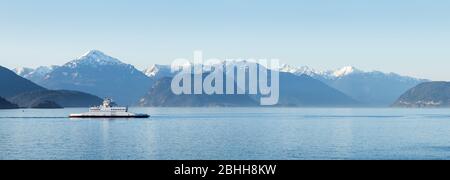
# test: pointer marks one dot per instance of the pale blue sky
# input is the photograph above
(410, 37)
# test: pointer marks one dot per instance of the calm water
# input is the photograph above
(229, 133)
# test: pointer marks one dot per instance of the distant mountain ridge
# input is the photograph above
(340, 73)
(373, 88)
(295, 91)
(429, 94)
(329, 74)
(102, 75)
(34, 75)
(12, 84)
(370, 88)
(27, 94)
(63, 98)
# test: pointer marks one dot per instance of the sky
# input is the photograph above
(409, 37)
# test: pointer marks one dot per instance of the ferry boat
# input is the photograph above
(108, 110)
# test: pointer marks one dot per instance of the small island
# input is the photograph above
(46, 105)
(426, 95)
(4, 104)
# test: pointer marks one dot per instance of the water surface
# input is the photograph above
(229, 133)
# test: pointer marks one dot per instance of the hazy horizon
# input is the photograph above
(405, 37)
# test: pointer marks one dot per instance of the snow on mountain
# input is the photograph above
(347, 70)
(373, 88)
(165, 70)
(22, 71)
(338, 73)
(157, 71)
(35, 75)
(329, 74)
(27, 72)
(295, 91)
(43, 70)
(101, 75)
(300, 70)
(94, 58)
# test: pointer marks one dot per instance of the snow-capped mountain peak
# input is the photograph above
(329, 74)
(347, 70)
(29, 72)
(94, 57)
(35, 75)
(22, 71)
(299, 70)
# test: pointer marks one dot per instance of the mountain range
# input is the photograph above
(302, 91)
(373, 88)
(104, 76)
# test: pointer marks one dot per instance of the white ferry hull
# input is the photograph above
(108, 116)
